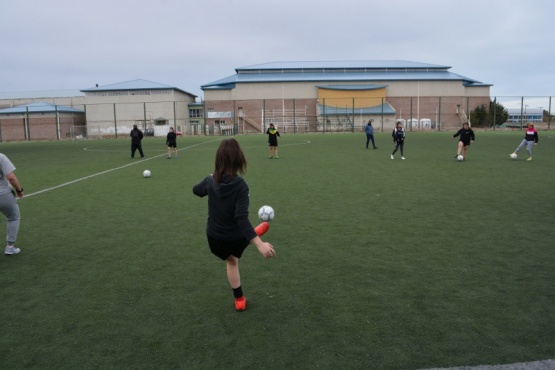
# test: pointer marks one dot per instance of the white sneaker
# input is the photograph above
(392, 156)
(11, 250)
(403, 158)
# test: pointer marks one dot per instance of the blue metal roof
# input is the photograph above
(350, 72)
(135, 85)
(368, 64)
(40, 107)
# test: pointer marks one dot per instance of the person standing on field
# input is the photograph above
(9, 190)
(466, 137)
(228, 229)
(399, 139)
(273, 134)
(530, 139)
(370, 134)
(136, 138)
(171, 142)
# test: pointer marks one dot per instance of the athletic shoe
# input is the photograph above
(240, 304)
(168, 157)
(270, 157)
(11, 250)
(392, 156)
(277, 156)
(262, 228)
(529, 159)
(403, 158)
(375, 147)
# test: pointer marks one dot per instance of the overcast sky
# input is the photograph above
(75, 44)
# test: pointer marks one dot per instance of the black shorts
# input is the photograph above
(172, 144)
(465, 143)
(225, 248)
(273, 142)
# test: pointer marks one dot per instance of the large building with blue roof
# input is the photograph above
(311, 95)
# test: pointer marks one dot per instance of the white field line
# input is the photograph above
(128, 165)
(105, 172)
(534, 365)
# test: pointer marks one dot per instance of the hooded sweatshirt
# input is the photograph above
(228, 207)
(531, 135)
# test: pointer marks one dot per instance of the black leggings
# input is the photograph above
(397, 146)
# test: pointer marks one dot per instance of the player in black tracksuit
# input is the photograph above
(466, 137)
(171, 142)
(136, 137)
(228, 229)
(399, 139)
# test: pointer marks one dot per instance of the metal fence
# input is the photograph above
(291, 115)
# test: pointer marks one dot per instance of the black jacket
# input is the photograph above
(467, 135)
(228, 207)
(136, 136)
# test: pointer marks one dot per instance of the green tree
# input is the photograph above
(488, 116)
(479, 116)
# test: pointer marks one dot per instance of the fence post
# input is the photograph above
(294, 116)
(549, 115)
(115, 121)
(521, 111)
(410, 119)
(353, 123)
(27, 130)
(57, 122)
(439, 115)
(382, 113)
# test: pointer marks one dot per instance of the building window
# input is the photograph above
(195, 113)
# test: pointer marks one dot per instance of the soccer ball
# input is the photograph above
(146, 173)
(460, 158)
(266, 213)
(513, 155)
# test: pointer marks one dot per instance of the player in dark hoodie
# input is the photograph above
(466, 137)
(136, 138)
(229, 230)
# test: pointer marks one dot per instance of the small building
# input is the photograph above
(113, 109)
(40, 121)
(534, 115)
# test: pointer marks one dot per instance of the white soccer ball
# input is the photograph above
(460, 158)
(146, 173)
(513, 155)
(266, 213)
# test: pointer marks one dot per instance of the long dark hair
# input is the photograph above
(230, 160)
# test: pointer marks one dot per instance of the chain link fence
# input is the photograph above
(296, 116)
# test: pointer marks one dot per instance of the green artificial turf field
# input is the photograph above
(381, 264)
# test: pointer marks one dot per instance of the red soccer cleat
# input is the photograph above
(262, 228)
(240, 304)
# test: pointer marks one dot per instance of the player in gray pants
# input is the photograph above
(9, 189)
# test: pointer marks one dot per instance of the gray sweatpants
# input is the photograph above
(10, 209)
(527, 144)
